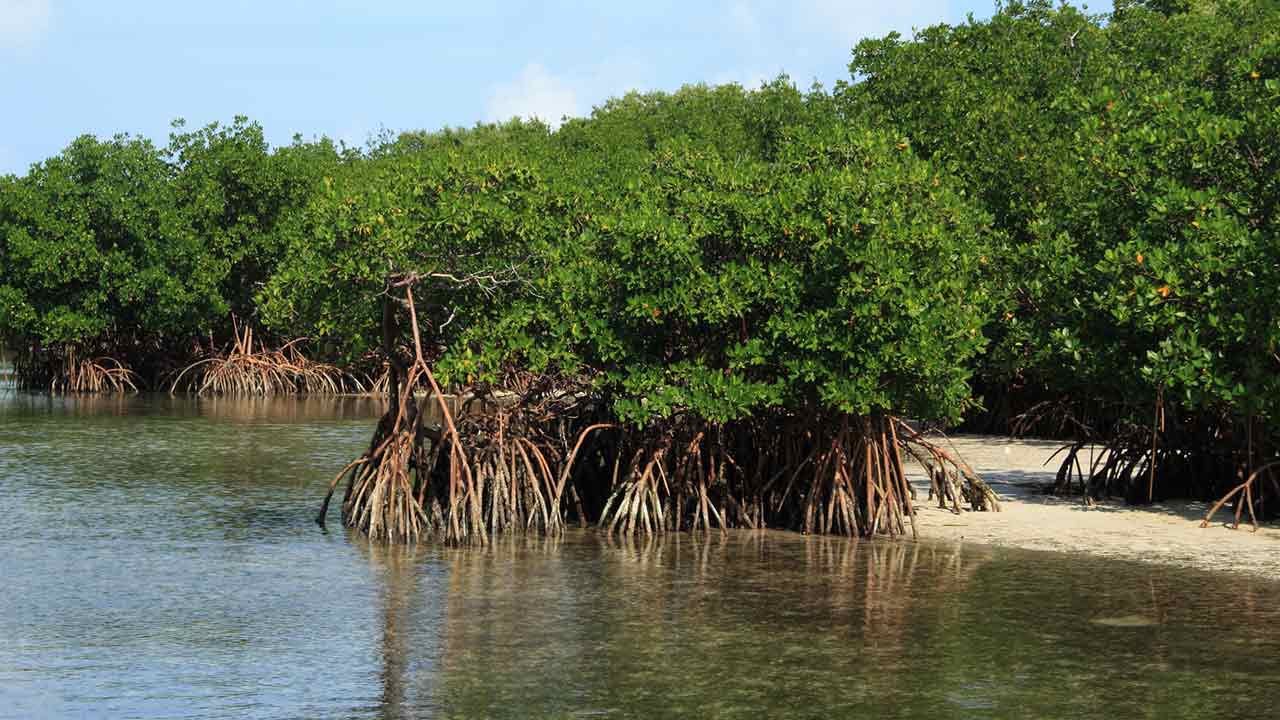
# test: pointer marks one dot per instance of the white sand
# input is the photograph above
(1168, 532)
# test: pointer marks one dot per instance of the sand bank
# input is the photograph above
(1167, 532)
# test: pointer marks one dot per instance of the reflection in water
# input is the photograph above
(161, 561)
(397, 568)
(746, 624)
(242, 408)
(682, 625)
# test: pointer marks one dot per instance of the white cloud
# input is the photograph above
(22, 22)
(535, 92)
(803, 38)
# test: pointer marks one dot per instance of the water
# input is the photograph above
(161, 561)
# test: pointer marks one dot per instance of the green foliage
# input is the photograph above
(1082, 204)
(1178, 182)
(733, 121)
(123, 249)
(240, 198)
(515, 135)
(1130, 167)
(94, 244)
(461, 221)
(839, 276)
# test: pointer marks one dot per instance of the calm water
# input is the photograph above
(160, 561)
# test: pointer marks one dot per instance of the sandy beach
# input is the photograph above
(1167, 532)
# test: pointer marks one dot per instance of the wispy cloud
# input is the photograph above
(795, 37)
(534, 93)
(23, 22)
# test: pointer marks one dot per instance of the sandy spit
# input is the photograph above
(1167, 533)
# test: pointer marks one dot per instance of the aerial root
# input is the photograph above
(509, 465)
(841, 477)
(65, 370)
(96, 375)
(242, 370)
(951, 479)
(498, 478)
(502, 468)
(1245, 489)
(1177, 455)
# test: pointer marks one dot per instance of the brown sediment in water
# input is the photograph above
(1165, 532)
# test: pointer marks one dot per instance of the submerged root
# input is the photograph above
(531, 456)
(519, 479)
(859, 484)
(479, 475)
(380, 500)
(516, 467)
(683, 477)
(242, 370)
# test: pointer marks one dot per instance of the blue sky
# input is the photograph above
(346, 68)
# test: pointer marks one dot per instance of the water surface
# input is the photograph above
(161, 561)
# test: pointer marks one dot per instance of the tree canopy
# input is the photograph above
(1046, 205)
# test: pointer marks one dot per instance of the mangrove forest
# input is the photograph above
(721, 307)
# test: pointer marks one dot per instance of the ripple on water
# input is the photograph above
(161, 561)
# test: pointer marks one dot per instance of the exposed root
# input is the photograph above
(381, 498)
(1051, 418)
(951, 479)
(530, 457)
(505, 466)
(844, 476)
(242, 370)
(380, 385)
(64, 370)
(519, 478)
(1248, 497)
(1178, 455)
(96, 375)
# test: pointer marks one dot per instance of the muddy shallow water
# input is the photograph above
(161, 561)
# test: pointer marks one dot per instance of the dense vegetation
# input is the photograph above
(1132, 169)
(724, 299)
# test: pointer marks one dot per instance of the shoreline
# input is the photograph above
(1166, 533)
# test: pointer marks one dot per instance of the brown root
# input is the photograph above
(1248, 497)
(97, 375)
(1195, 455)
(493, 471)
(845, 476)
(951, 479)
(65, 370)
(485, 466)
(529, 456)
(244, 370)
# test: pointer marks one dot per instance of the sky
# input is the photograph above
(347, 69)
